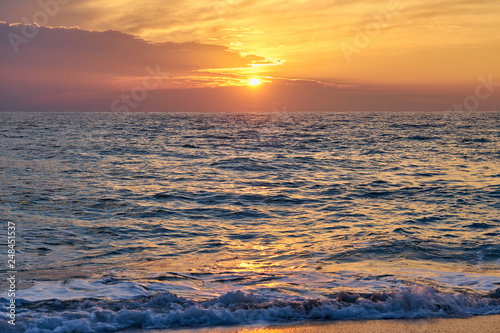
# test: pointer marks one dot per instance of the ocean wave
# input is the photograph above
(166, 310)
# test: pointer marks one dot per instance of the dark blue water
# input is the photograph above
(163, 220)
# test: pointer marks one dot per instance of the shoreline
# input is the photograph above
(479, 324)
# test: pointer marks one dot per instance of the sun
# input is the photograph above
(254, 82)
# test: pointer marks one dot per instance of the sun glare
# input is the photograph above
(254, 82)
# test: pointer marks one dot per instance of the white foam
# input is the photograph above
(166, 310)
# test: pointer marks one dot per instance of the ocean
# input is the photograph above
(188, 220)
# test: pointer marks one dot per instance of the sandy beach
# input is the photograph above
(480, 324)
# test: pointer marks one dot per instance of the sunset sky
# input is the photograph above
(86, 55)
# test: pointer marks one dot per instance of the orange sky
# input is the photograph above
(394, 54)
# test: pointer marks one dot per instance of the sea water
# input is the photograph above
(183, 220)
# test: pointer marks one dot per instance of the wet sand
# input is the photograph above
(481, 324)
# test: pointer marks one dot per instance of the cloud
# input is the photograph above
(70, 63)
(112, 52)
